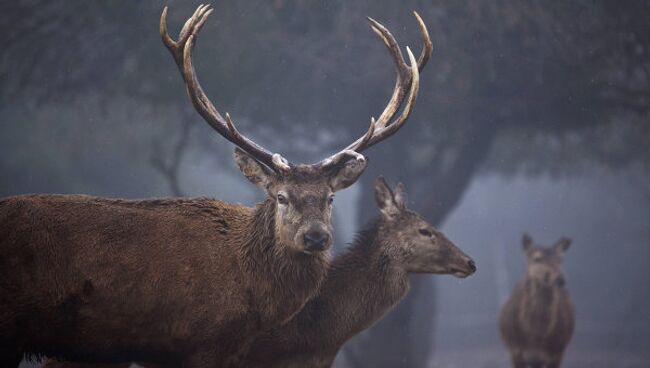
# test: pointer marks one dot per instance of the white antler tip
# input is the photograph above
(280, 162)
(412, 60)
(356, 155)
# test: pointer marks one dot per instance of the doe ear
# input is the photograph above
(526, 242)
(385, 199)
(401, 198)
(562, 245)
(348, 173)
(258, 173)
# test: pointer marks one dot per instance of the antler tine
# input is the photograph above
(427, 49)
(406, 112)
(407, 81)
(400, 67)
(181, 51)
(403, 77)
(176, 47)
(167, 40)
(371, 130)
(382, 133)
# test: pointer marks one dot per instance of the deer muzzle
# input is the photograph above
(464, 267)
(316, 239)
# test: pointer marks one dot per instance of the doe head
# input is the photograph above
(416, 244)
(544, 264)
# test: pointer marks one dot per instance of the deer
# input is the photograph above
(537, 321)
(362, 286)
(183, 281)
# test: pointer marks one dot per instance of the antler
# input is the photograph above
(181, 51)
(380, 129)
(408, 79)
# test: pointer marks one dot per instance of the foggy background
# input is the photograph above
(532, 117)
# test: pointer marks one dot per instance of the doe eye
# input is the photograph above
(425, 232)
(282, 199)
(330, 199)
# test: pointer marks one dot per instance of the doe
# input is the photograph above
(537, 321)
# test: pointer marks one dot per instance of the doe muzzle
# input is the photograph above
(471, 265)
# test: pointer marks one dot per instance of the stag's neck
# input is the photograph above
(362, 285)
(283, 279)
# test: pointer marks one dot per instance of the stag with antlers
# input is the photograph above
(180, 281)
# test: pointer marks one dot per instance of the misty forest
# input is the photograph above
(526, 159)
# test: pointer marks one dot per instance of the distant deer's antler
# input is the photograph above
(181, 50)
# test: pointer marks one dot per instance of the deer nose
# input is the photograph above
(316, 240)
(471, 265)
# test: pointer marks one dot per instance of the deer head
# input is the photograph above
(544, 264)
(302, 193)
(416, 244)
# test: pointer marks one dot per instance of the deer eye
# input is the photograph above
(425, 232)
(330, 199)
(282, 199)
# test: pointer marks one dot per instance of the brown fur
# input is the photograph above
(363, 284)
(171, 280)
(538, 320)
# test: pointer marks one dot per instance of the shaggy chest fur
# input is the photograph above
(361, 287)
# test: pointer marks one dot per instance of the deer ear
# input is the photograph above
(348, 173)
(385, 199)
(562, 245)
(254, 170)
(401, 199)
(526, 242)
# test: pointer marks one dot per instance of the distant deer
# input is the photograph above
(364, 284)
(537, 321)
(179, 281)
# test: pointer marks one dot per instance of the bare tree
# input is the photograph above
(168, 164)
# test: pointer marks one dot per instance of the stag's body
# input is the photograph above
(180, 281)
(364, 284)
(113, 280)
(538, 320)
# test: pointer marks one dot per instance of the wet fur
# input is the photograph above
(169, 281)
(364, 283)
(362, 286)
(310, 340)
